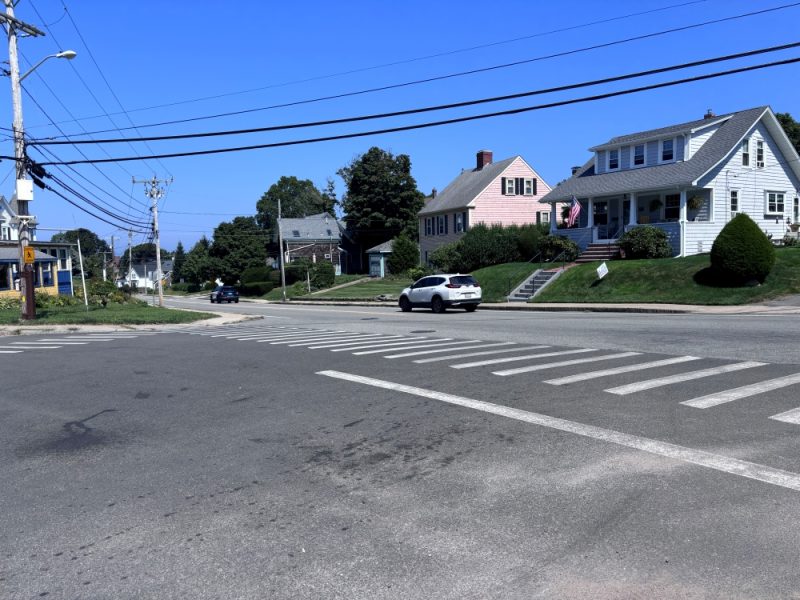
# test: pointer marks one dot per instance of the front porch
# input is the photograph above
(603, 219)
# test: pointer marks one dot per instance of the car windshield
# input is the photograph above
(228, 288)
(463, 280)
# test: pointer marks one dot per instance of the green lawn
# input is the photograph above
(670, 280)
(114, 314)
(366, 290)
(498, 281)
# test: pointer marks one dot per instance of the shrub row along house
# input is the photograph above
(688, 180)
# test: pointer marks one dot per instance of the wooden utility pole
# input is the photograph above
(154, 191)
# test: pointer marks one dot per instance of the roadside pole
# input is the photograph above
(280, 243)
(83, 277)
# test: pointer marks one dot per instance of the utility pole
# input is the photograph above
(280, 243)
(113, 264)
(154, 191)
(130, 259)
(24, 186)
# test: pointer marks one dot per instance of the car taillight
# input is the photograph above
(452, 285)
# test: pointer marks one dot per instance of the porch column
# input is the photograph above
(633, 216)
(683, 216)
(682, 224)
(553, 218)
(590, 213)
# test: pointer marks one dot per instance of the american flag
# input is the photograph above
(574, 211)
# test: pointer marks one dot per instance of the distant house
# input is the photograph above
(507, 192)
(52, 269)
(315, 237)
(377, 259)
(143, 276)
(688, 180)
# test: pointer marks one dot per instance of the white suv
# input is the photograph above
(438, 292)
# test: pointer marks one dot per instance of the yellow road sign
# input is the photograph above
(29, 254)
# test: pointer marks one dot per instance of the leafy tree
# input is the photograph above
(94, 249)
(299, 198)
(404, 256)
(142, 253)
(238, 245)
(791, 127)
(197, 268)
(382, 199)
(178, 260)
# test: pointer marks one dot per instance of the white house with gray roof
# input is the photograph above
(688, 179)
(507, 192)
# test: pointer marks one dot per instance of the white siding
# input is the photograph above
(700, 138)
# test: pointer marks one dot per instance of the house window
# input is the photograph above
(774, 204)
(530, 186)
(667, 150)
(613, 160)
(672, 207)
(5, 277)
(47, 274)
(734, 201)
(508, 186)
(441, 223)
(62, 259)
(428, 226)
(459, 222)
(759, 154)
(638, 155)
(518, 186)
(746, 152)
(5, 233)
(545, 216)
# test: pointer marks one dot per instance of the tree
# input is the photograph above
(404, 256)
(791, 127)
(382, 199)
(142, 253)
(238, 245)
(178, 260)
(299, 198)
(94, 249)
(197, 267)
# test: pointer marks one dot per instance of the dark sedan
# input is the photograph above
(224, 293)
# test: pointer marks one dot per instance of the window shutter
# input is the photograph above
(503, 186)
(534, 186)
(445, 224)
(517, 186)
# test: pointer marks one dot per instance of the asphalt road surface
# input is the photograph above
(359, 452)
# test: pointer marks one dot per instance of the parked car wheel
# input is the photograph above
(437, 305)
(405, 304)
(470, 307)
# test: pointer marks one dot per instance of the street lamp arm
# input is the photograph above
(68, 54)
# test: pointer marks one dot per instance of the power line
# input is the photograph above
(458, 74)
(447, 121)
(427, 108)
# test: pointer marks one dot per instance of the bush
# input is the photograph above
(256, 288)
(742, 252)
(528, 239)
(446, 258)
(189, 288)
(209, 285)
(645, 241)
(418, 272)
(297, 270)
(557, 247)
(484, 246)
(255, 274)
(404, 256)
(100, 293)
(275, 277)
(790, 241)
(322, 275)
(45, 300)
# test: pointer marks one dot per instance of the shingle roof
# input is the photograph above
(586, 183)
(384, 248)
(11, 255)
(463, 189)
(661, 132)
(313, 227)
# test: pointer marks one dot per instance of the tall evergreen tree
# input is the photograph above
(791, 127)
(178, 260)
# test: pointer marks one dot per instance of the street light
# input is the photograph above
(68, 54)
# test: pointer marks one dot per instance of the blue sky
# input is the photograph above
(207, 58)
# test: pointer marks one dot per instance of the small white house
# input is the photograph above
(688, 179)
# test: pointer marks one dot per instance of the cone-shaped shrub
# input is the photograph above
(742, 252)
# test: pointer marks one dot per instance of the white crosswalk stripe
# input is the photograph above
(350, 337)
(790, 416)
(681, 377)
(439, 342)
(383, 344)
(496, 361)
(619, 370)
(382, 338)
(439, 350)
(742, 392)
(471, 354)
(563, 363)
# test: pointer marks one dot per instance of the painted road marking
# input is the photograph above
(618, 370)
(296, 337)
(334, 335)
(437, 343)
(724, 464)
(10, 351)
(34, 343)
(386, 338)
(387, 344)
(742, 392)
(29, 347)
(495, 361)
(349, 337)
(661, 381)
(563, 363)
(790, 416)
(488, 352)
(440, 350)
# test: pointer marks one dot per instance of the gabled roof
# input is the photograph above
(463, 189)
(313, 227)
(10, 254)
(733, 128)
(652, 134)
(384, 248)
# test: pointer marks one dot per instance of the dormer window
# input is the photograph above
(613, 160)
(746, 152)
(667, 150)
(759, 154)
(638, 155)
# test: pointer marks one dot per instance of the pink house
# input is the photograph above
(507, 192)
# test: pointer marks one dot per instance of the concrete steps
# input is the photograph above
(533, 285)
(599, 253)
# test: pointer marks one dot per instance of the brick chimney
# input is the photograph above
(484, 158)
(709, 114)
